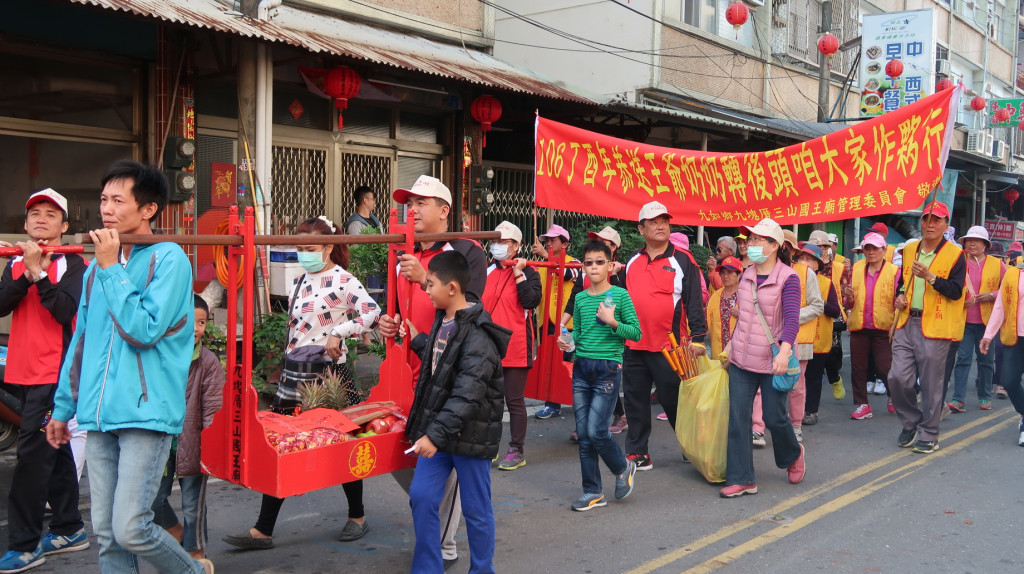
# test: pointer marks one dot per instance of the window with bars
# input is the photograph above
(299, 184)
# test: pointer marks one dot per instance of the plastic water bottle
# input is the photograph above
(566, 338)
(608, 303)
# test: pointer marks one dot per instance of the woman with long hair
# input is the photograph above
(769, 288)
(327, 305)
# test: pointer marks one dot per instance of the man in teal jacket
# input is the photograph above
(126, 371)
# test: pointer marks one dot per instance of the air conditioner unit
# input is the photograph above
(976, 142)
(942, 67)
(999, 149)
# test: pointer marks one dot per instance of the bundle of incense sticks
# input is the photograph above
(681, 358)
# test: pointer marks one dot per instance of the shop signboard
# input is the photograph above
(905, 36)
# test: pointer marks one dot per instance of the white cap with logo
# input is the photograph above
(425, 186)
(508, 230)
(652, 210)
(50, 195)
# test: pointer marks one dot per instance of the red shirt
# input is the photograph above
(663, 290)
(42, 320)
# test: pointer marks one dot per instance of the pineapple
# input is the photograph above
(340, 392)
(312, 395)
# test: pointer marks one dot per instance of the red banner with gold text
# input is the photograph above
(887, 164)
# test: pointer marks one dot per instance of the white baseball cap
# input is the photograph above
(652, 210)
(508, 230)
(50, 195)
(833, 238)
(766, 228)
(425, 186)
(608, 233)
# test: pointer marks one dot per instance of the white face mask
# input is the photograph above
(499, 251)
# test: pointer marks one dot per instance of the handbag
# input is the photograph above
(787, 381)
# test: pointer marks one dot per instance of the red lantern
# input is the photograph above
(894, 68)
(737, 14)
(1011, 196)
(943, 84)
(486, 109)
(341, 84)
(828, 45)
(978, 103)
(1001, 116)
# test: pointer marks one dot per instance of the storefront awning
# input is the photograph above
(319, 33)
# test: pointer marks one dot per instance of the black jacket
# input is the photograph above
(459, 406)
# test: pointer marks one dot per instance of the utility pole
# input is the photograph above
(246, 103)
(824, 75)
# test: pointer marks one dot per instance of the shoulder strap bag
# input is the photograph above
(787, 381)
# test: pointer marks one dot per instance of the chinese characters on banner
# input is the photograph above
(883, 165)
(222, 184)
(1014, 105)
(905, 36)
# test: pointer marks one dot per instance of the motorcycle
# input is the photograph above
(10, 409)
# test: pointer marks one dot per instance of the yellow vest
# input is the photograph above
(555, 314)
(991, 276)
(838, 267)
(941, 318)
(823, 324)
(1008, 332)
(890, 250)
(806, 333)
(885, 291)
(714, 319)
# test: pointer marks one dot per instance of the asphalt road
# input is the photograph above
(865, 506)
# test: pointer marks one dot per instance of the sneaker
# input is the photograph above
(985, 405)
(926, 446)
(798, 469)
(879, 388)
(734, 490)
(618, 425)
(1020, 429)
(624, 482)
(759, 441)
(654, 397)
(861, 412)
(1001, 392)
(810, 419)
(663, 417)
(890, 407)
(838, 390)
(642, 461)
(799, 432)
(574, 437)
(589, 500)
(548, 412)
(513, 460)
(957, 406)
(871, 387)
(907, 438)
(14, 561)
(945, 412)
(53, 544)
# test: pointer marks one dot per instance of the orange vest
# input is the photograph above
(838, 267)
(883, 311)
(554, 313)
(714, 318)
(941, 318)
(1008, 332)
(823, 324)
(806, 333)
(890, 250)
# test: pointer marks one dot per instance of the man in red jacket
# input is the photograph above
(428, 204)
(42, 291)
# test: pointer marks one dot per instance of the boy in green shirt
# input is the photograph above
(599, 336)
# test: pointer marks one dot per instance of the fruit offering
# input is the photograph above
(304, 440)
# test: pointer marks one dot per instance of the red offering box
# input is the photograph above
(236, 447)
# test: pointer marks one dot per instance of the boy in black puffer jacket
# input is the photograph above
(455, 421)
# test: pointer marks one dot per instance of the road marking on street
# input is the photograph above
(791, 502)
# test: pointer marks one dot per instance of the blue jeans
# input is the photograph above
(125, 467)
(595, 388)
(973, 333)
(193, 507)
(743, 386)
(474, 489)
(1013, 369)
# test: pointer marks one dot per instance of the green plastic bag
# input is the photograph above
(702, 419)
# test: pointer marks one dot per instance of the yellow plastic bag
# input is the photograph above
(702, 419)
